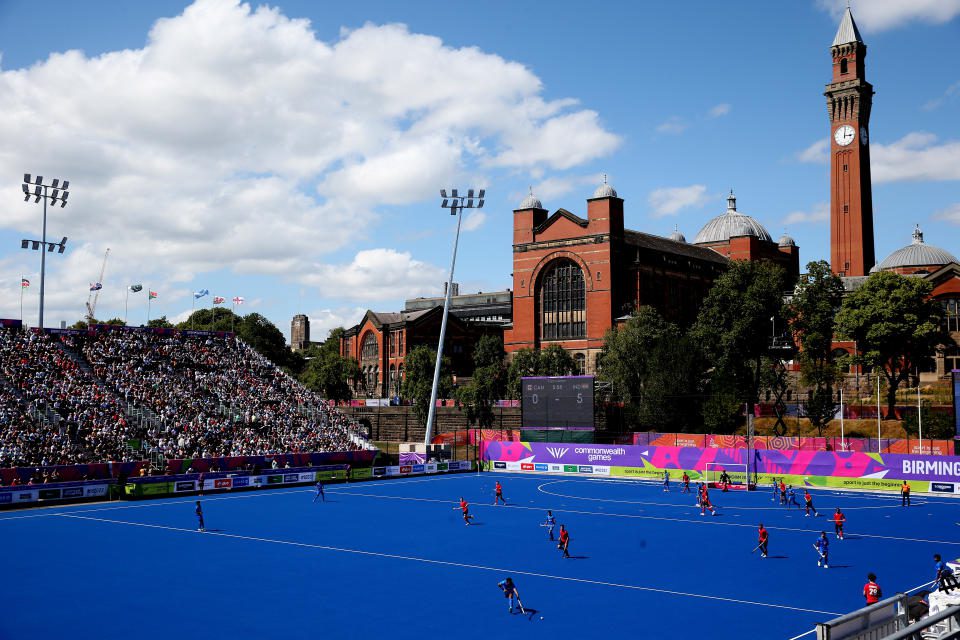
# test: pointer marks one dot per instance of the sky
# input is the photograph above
(292, 153)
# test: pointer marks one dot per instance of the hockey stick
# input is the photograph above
(755, 548)
(520, 604)
(818, 551)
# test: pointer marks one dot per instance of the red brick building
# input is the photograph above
(575, 277)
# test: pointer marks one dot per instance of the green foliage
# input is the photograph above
(80, 324)
(895, 325)
(733, 329)
(418, 380)
(936, 425)
(554, 360)
(652, 369)
(329, 374)
(488, 384)
(116, 322)
(160, 322)
(811, 314)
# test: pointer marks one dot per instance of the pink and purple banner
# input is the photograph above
(835, 464)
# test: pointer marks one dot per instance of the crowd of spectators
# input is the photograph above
(189, 396)
(86, 422)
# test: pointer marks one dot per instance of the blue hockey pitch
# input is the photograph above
(393, 558)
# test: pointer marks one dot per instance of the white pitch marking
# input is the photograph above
(461, 565)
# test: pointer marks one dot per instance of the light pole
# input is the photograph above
(456, 203)
(43, 191)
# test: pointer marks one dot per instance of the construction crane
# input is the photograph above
(95, 294)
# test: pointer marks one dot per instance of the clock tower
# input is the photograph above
(849, 98)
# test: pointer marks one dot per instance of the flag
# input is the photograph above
(219, 299)
(153, 294)
(24, 283)
(95, 286)
(238, 300)
(136, 288)
(202, 292)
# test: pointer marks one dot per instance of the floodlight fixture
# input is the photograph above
(43, 191)
(456, 203)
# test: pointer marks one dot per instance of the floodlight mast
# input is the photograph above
(41, 191)
(456, 203)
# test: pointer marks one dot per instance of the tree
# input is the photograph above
(733, 329)
(263, 335)
(553, 360)
(652, 369)
(116, 322)
(418, 380)
(488, 384)
(326, 372)
(160, 322)
(811, 314)
(896, 326)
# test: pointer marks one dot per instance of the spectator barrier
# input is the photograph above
(21, 495)
(845, 469)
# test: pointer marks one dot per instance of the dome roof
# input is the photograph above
(530, 202)
(916, 254)
(676, 236)
(730, 225)
(786, 241)
(605, 190)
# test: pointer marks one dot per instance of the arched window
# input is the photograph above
(843, 66)
(369, 349)
(951, 313)
(581, 363)
(563, 302)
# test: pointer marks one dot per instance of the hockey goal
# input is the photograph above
(713, 474)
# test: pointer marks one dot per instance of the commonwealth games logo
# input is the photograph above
(557, 452)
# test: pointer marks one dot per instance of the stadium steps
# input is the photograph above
(48, 417)
(139, 416)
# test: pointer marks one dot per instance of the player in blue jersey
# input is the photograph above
(510, 592)
(666, 480)
(822, 545)
(550, 523)
(792, 498)
(199, 511)
(319, 492)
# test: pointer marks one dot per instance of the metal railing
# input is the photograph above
(874, 622)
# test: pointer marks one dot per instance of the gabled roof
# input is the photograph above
(848, 31)
(947, 271)
(665, 245)
(561, 213)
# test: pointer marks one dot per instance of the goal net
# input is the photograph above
(731, 475)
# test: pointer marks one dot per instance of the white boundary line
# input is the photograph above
(461, 565)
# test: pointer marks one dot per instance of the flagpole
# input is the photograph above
(149, 298)
(233, 315)
(126, 306)
(193, 305)
(21, 298)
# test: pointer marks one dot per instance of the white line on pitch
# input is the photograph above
(461, 565)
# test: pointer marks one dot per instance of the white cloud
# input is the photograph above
(378, 274)
(323, 320)
(673, 125)
(556, 187)
(878, 15)
(949, 93)
(916, 157)
(670, 200)
(950, 214)
(474, 220)
(818, 214)
(235, 139)
(719, 110)
(818, 152)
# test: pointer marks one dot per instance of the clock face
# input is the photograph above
(844, 135)
(863, 135)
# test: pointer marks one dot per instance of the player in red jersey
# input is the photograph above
(686, 483)
(499, 494)
(871, 590)
(838, 520)
(564, 543)
(783, 492)
(705, 502)
(465, 509)
(808, 503)
(763, 538)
